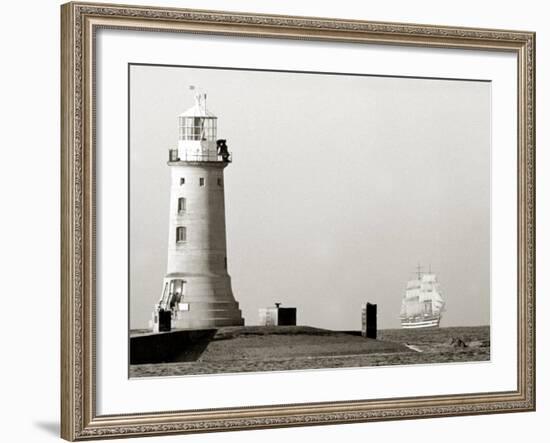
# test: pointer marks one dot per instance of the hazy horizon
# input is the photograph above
(340, 185)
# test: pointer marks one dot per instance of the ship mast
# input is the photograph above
(418, 271)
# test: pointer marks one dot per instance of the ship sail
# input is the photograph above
(423, 303)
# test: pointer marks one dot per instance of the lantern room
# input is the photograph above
(197, 123)
(197, 134)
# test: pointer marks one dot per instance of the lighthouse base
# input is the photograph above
(207, 315)
(197, 302)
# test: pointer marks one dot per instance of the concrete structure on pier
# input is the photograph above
(277, 316)
(369, 320)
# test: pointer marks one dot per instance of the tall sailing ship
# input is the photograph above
(422, 303)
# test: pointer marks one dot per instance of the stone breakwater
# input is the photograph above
(258, 348)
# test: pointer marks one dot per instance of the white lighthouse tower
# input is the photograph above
(197, 287)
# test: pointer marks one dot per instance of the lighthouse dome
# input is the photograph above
(199, 109)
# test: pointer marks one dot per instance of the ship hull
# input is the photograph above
(417, 323)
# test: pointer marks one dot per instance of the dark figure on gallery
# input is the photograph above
(222, 150)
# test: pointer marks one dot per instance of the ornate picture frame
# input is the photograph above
(80, 23)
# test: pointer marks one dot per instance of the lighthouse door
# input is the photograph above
(176, 291)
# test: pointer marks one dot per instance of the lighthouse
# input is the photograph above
(196, 290)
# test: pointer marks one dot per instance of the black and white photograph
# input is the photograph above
(293, 217)
(290, 220)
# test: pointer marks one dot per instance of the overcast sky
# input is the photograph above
(339, 187)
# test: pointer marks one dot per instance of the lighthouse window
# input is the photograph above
(220, 182)
(181, 204)
(182, 181)
(181, 234)
(201, 181)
